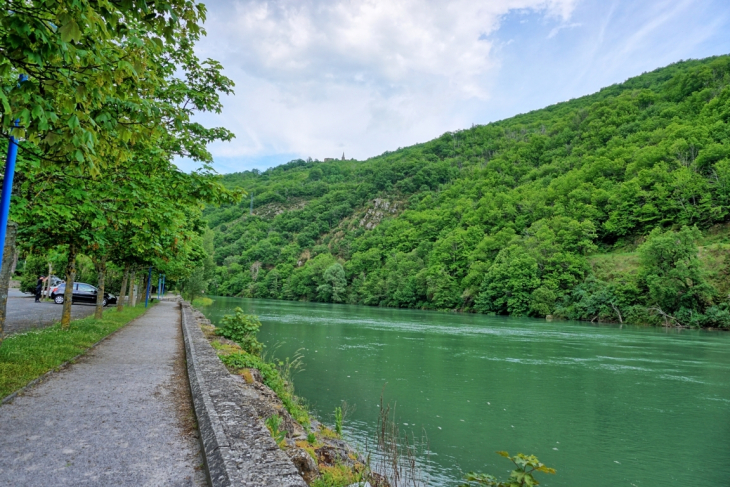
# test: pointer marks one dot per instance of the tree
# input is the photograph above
(672, 272)
(89, 66)
(509, 283)
(334, 286)
(142, 196)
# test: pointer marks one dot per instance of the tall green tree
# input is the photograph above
(672, 272)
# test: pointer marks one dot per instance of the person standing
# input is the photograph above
(39, 288)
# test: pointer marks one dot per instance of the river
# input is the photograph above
(605, 406)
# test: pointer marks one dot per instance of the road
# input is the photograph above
(24, 314)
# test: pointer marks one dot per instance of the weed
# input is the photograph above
(338, 421)
(338, 476)
(311, 438)
(400, 459)
(521, 476)
(274, 423)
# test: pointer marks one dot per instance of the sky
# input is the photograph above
(325, 78)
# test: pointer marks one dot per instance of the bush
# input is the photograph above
(242, 329)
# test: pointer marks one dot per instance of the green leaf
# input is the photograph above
(70, 31)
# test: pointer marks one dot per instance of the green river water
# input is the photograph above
(604, 405)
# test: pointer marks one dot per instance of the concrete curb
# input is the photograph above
(237, 447)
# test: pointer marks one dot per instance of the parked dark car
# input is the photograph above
(83, 293)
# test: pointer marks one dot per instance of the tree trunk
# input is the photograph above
(15, 262)
(6, 273)
(46, 292)
(133, 288)
(68, 292)
(120, 299)
(101, 270)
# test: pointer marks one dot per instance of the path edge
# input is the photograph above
(237, 447)
(211, 432)
(10, 397)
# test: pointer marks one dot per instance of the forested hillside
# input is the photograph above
(609, 207)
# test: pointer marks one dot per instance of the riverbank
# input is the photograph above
(27, 356)
(262, 393)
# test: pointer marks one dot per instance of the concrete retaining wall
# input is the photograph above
(238, 448)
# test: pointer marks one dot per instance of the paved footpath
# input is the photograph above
(120, 416)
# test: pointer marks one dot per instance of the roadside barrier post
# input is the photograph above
(8, 182)
(149, 285)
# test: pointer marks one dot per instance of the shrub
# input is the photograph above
(242, 329)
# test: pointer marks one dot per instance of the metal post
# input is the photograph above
(163, 285)
(159, 286)
(149, 285)
(8, 183)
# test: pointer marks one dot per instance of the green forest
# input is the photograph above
(612, 207)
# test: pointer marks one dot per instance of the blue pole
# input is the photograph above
(163, 285)
(159, 286)
(149, 285)
(8, 184)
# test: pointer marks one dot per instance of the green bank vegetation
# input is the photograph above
(235, 340)
(242, 329)
(564, 211)
(27, 356)
(101, 97)
(521, 476)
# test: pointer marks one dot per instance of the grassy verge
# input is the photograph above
(27, 356)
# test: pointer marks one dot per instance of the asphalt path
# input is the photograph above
(24, 314)
(121, 415)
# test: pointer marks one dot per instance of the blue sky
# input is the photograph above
(319, 78)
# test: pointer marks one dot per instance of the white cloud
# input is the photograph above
(319, 78)
(557, 29)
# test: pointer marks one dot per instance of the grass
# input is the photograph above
(608, 267)
(338, 476)
(27, 356)
(198, 302)
(714, 255)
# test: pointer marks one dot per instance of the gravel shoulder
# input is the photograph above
(121, 415)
